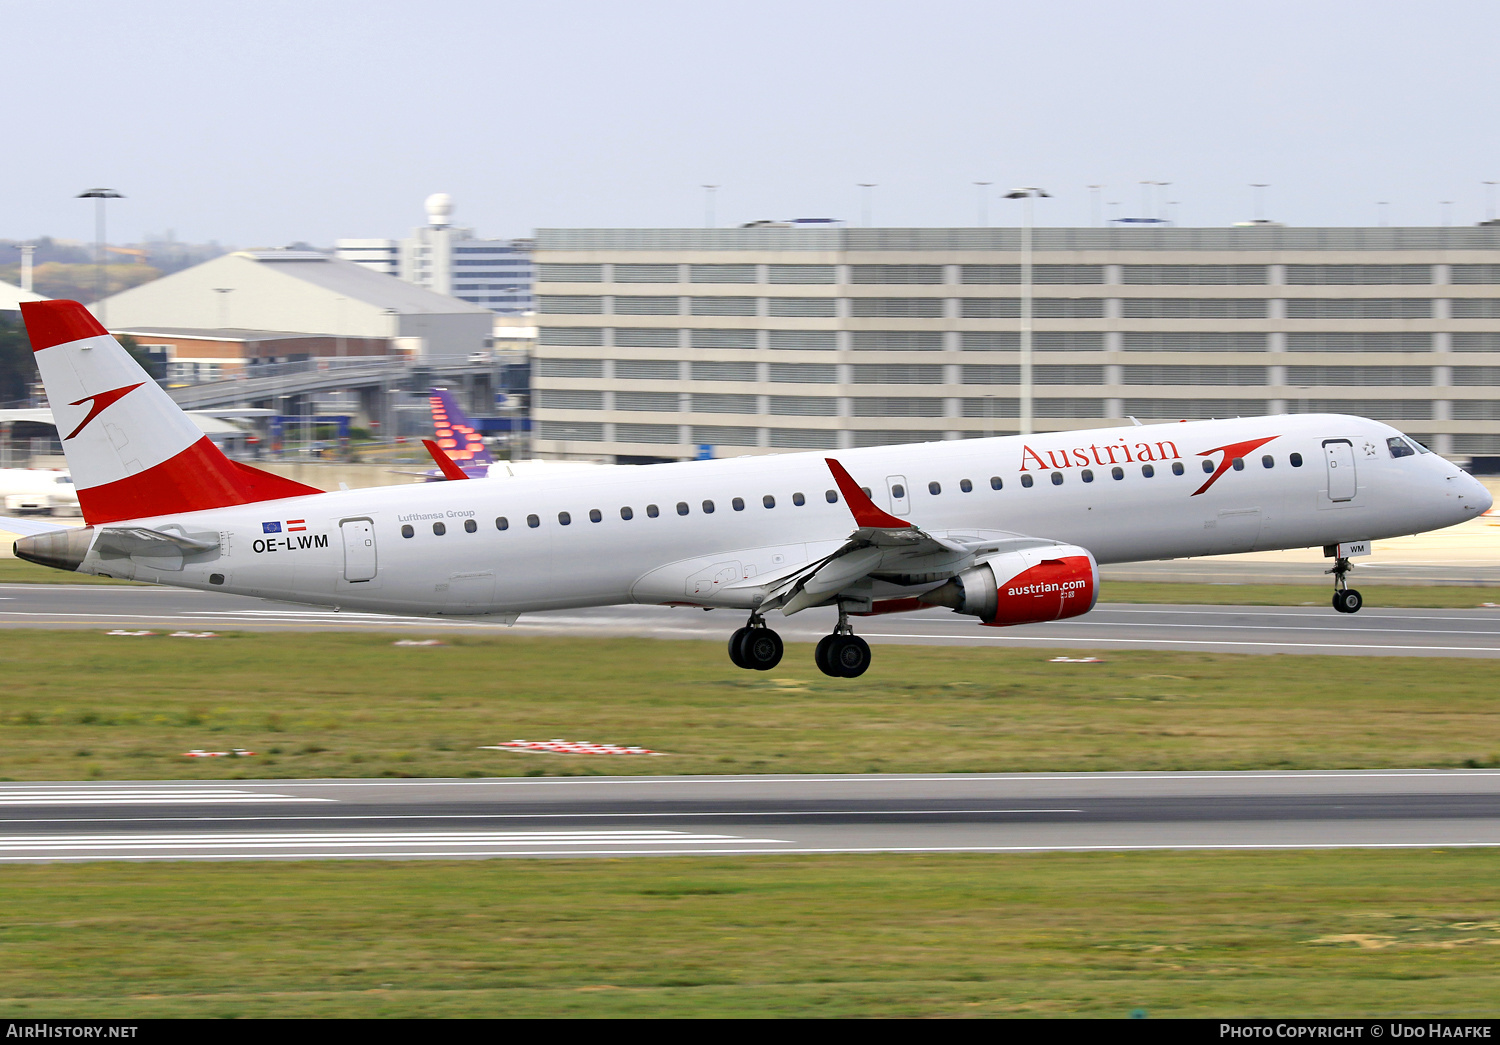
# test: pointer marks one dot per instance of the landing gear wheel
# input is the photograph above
(849, 655)
(760, 649)
(822, 656)
(1345, 599)
(735, 656)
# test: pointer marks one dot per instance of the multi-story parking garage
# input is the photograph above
(656, 343)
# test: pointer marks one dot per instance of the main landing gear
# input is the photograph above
(755, 646)
(1345, 598)
(842, 654)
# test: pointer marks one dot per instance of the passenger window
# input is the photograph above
(798, 500)
(708, 508)
(1399, 448)
(1117, 472)
(768, 501)
(407, 531)
(564, 518)
(1296, 460)
(1056, 478)
(682, 508)
(1208, 466)
(831, 496)
(595, 515)
(996, 483)
(865, 490)
(627, 513)
(1239, 464)
(934, 488)
(533, 521)
(1026, 480)
(470, 526)
(966, 486)
(1268, 461)
(738, 504)
(502, 523)
(1177, 468)
(652, 510)
(1147, 471)
(439, 528)
(1087, 475)
(898, 491)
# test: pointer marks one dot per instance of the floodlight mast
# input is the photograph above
(99, 196)
(1027, 194)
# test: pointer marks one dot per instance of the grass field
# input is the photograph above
(1337, 933)
(89, 705)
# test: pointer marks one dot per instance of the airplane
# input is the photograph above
(463, 447)
(46, 490)
(1009, 530)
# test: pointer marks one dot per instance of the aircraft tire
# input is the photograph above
(736, 655)
(1353, 600)
(850, 654)
(822, 656)
(761, 649)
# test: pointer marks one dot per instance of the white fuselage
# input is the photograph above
(348, 548)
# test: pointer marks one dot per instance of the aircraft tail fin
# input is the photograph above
(455, 432)
(131, 450)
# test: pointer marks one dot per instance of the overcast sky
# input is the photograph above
(268, 122)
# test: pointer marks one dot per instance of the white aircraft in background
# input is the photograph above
(48, 491)
(1009, 530)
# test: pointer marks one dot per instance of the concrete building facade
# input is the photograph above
(493, 273)
(657, 343)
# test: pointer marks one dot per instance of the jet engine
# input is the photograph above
(1026, 587)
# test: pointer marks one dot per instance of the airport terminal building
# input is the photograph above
(654, 344)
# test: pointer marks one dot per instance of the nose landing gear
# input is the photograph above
(755, 647)
(1345, 598)
(842, 654)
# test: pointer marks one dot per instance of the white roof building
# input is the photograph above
(305, 292)
(11, 297)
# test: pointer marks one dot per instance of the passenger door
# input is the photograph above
(359, 549)
(1343, 484)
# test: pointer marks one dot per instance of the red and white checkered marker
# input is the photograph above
(568, 747)
(1076, 660)
(238, 752)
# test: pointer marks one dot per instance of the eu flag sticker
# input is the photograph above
(272, 527)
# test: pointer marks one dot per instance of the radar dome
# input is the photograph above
(439, 209)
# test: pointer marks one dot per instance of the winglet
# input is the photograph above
(446, 463)
(865, 512)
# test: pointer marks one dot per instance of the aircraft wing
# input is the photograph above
(882, 544)
(28, 527)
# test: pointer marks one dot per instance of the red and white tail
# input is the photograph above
(132, 451)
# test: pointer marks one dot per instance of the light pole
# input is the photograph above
(99, 196)
(1382, 205)
(1489, 201)
(1027, 194)
(1447, 206)
(708, 205)
(223, 293)
(1260, 188)
(984, 203)
(867, 186)
(1094, 211)
(27, 250)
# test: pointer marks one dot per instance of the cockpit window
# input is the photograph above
(1400, 447)
(1420, 448)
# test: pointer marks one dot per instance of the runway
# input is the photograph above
(1314, 629)
(740, 815)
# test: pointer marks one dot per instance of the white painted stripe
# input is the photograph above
(811, 851)
(1088, 641)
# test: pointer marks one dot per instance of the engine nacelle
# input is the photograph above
(1026, 587)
